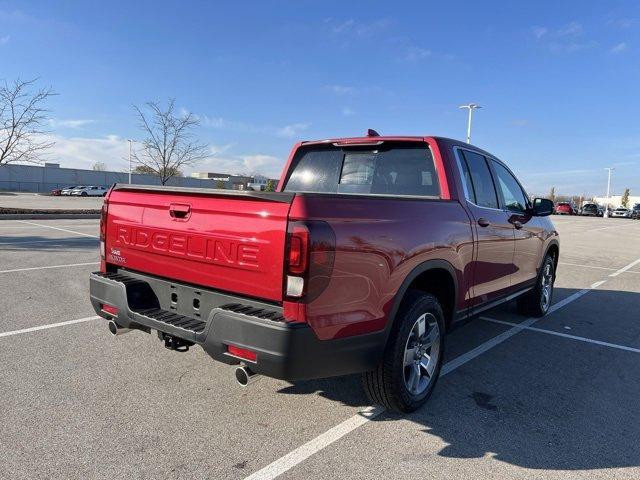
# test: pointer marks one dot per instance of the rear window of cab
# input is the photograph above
(405, 169)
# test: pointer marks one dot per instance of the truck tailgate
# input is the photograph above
(232, 241)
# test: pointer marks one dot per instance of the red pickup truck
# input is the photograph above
(370, 250)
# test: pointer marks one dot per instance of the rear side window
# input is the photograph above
(391, 169)
(483, 192)
(315, 171)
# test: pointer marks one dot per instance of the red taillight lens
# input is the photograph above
(242, 353)
(298, 249)
(103, 221)
(103, 233)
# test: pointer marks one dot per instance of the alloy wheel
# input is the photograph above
(421, 354)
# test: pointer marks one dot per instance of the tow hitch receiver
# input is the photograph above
(175, 343)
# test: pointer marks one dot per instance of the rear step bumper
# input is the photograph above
(289, 351)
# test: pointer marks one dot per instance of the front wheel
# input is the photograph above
(536, 302)
(407, 374)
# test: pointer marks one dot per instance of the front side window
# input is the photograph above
(512, 194)
(484, 193)
(390, 169)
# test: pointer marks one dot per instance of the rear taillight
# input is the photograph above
(310, 255)
(103, 234)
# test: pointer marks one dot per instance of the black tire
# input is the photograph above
(386, 385)
(532, 303)
(84, 194)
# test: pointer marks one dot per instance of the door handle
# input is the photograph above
(178, 210)
(517, 224)
(483, 222)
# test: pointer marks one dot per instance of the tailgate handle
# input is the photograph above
(179, 210)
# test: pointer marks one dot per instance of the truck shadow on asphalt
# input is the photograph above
(537, 401)
(23, 243)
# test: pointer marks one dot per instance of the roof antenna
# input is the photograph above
(372, 133)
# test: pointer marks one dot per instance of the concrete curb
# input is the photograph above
(47, 216)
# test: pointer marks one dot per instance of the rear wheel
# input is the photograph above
(536, 302)
(405, 378)
(84, 194)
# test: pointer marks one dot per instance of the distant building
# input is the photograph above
(260, 183)
(43, 179)
(616, 201)
(231, 182)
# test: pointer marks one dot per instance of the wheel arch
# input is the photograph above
(554, 249)
(422, 278)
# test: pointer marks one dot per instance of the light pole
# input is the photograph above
(471, 107)
(609, 169)
(130, 142)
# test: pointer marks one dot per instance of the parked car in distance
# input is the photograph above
(56, 192)
(564, 208)
(635, 212)
(621, 212)
(67, 190)
(590, 210)
(364, 257)
(90, 191)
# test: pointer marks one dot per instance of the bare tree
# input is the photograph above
(169, 145)
(99, 167)
(22, 121)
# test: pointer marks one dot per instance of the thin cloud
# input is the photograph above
(5, 39)
(414, 54)
(566, 39)
(112, 150)
(622, 23)
(348, 112)
(267, 165)
(348, 90)
(354, 29)
(290, 131)
(341, 89)
(539, 32)
(70, 123)
(286, 131)
(572, 29)
(619, 48)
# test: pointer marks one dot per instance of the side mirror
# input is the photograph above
(542, 207)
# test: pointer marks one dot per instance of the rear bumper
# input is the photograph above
(289, 351)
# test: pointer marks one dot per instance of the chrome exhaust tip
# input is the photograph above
(245, 376)
(116, 329)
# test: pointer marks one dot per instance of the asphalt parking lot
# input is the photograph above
(48, 202)
(519, 398)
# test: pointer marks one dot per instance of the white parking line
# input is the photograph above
(43, 241)
(22, 227)
(586, 266)
(624, 269)
(46, 327)
(47, 267)
(300, 454)
(564, 335)
(607, 228)
(595, 267)
(58, 228)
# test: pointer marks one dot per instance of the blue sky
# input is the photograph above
(558, 81)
